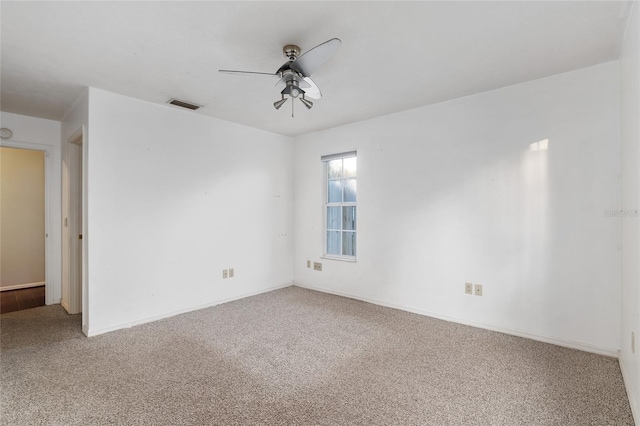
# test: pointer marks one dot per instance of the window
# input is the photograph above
(340, 205)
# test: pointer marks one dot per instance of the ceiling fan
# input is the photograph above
(295, 74)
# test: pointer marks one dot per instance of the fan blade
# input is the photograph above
(310, 61)
(284, 68)
(248, 72)
(313, 91)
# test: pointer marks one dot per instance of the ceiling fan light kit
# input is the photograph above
(306, 102)
(278, 104)
(295, 74)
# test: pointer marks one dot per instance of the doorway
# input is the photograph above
(22, 225)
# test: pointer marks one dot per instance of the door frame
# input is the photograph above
(76, 301)
(52, 286)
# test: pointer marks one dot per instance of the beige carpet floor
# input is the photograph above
(297, 357)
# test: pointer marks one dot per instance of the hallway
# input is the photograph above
(18, 300)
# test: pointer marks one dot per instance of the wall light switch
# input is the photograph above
(225, 274)
(317, 266)
(468, 288)
(478, 288)
(308, 264)
(231, 273)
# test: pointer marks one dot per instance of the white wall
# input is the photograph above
(174, 198)
(22, 217)
(451, 193)
(40, 134)
(630, 154)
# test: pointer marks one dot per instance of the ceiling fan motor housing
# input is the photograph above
(292, 89)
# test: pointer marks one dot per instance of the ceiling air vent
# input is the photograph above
(184, 104)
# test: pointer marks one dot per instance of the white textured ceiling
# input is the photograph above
(394, 55)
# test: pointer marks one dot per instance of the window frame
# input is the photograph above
(326, 204)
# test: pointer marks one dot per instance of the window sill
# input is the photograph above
(340, 258)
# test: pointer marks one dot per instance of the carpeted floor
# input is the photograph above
(297, 357)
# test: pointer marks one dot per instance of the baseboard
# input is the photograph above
(21, 286)
(633, 399)
(95, 332)
(514, 332)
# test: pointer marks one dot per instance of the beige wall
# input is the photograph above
(21, 217)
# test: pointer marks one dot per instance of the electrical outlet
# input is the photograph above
(308, 264)
(230, 272)
(317, 266)
(468, 288)
(633, 342)
(225, 274)
(478, 288)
